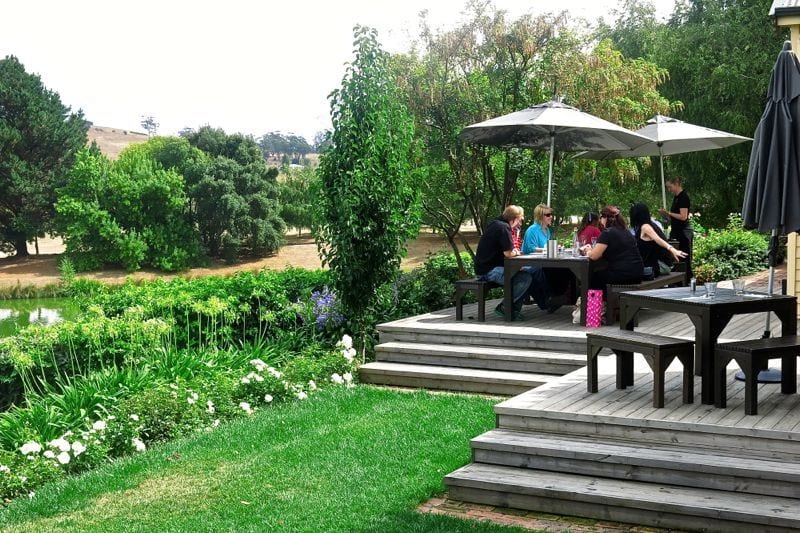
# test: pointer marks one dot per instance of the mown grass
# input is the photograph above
(346, 460)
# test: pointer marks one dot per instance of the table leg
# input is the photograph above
(627, 314)
(707, 329)
(582, 276)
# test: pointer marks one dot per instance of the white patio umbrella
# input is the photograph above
(552, 126)
(670, 136)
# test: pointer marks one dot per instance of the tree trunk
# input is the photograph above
(21, 246)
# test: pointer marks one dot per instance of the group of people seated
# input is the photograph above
(630, 254)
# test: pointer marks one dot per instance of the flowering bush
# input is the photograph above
(325, 309)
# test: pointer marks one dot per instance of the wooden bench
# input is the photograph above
(480, 288)
(752, 356)
(673, 279)
(659, 352)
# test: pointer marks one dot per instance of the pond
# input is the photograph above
(16, 314)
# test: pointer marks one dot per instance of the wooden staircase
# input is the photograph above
(639, 469)
(465, 356)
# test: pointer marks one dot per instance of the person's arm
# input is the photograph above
(511, 253)
(595, 253)
(650, 233)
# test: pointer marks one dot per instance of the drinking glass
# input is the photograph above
(738, 286)
(594, 241)
(711, 289)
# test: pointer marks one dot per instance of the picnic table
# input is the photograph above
(709, 317)
(578, 265)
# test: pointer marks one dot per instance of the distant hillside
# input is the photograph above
(112, 141)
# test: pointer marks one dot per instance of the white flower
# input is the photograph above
(259, 364)
(210, 406)
(78, 448)
(301, 395)
(60, 444)
(245, 380)
(246, 408)
(216, 423)
(195, 397)
(4, 468)
(173, 386)
(190, 400)
(30, 447)
(268, 398)
(348, 377)
(274, 372)
(173, 394)
(311, 385)
(138, 445)
(23, 479)
(63, 458)
(258, 377)
(349, 353)
(346, 342)
(112, 417)
(135, 418)
(336, 378)
(99, 425)
(31, 494)
(50, 454)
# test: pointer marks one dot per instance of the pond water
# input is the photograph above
(16, 314)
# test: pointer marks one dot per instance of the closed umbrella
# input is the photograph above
(670, 136)
(772, 191)
(552, 126)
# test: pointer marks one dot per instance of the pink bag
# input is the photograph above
(594, 308)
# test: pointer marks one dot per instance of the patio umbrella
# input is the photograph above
(772, 190)
(670, 136)
(552, 126)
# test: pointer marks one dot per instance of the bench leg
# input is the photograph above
(721, 382)
(624, 368)
(687, 360)
(481, 297)
(789, 374)
(660, 364)
(591, 367)
(750, 387)
(459, 304)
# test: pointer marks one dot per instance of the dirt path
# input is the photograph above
(301, 252)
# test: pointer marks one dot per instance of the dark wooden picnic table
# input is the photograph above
(709, 316)
(578, 265)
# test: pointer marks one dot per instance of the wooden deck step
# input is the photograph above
(651, 504)
(450, 378)
(673, 465)
(504, 359)
(494, 335)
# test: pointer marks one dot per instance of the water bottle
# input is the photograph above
(693, 285)
(576, 248)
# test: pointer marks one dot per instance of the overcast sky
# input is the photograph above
(243, 65)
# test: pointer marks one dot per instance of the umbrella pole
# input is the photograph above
(663, 183)
(550, 170)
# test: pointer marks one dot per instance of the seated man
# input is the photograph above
(493, 247)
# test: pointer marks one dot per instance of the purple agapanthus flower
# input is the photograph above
(325, 309)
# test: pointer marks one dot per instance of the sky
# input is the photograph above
(244, 66)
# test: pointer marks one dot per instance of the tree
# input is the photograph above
(39, 137)
(322, 141)
(276, 144)
(235, 198)
(297, 197)
(368, 195)
(150, 125)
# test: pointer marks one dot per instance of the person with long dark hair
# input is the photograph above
(651, 241)
(618, 247)
(589, 228)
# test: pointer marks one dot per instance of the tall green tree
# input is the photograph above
(297, 197)
(368, 204)
(39, 137)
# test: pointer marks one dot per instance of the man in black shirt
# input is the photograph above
(680, 228)
(493, 247)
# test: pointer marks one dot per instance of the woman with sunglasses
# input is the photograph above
(539, 233)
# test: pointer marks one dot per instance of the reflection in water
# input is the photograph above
(17, 314)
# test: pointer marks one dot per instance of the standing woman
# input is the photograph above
(678, 215)
(618, 247)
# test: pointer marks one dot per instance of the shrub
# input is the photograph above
(730, 253)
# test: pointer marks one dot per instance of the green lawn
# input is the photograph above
(345, 460)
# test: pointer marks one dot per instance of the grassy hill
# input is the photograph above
(112, 141)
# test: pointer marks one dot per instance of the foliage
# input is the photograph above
(719, 55)
(276, 144)
(130, 213)
(297, 197)
(150, 125)
(39, 137)
(368, 194)
(729, 253)
(235, 198)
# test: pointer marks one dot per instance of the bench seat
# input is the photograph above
(659, 352)
(480, 288)
(752, 356)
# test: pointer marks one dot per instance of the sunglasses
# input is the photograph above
(548, 214)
